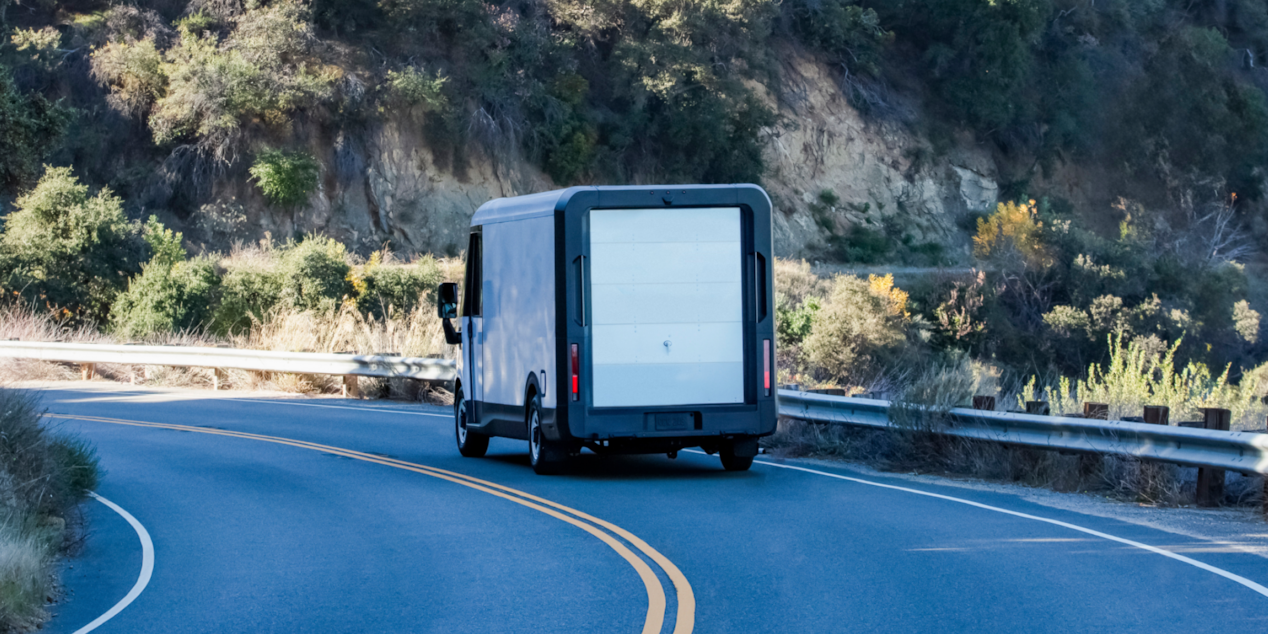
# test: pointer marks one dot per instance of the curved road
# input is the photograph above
(337, 516)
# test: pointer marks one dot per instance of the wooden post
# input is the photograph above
(1210, 490)
(88, 371)
(1038, 407)
(984, 403)
(351, 388)
(1157, 415)
(217, 376)
(1098, 411)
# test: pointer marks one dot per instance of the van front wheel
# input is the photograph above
(547, 458)
(470, 444)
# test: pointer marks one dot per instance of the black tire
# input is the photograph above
(470, 444)
(546, 456)
(736, 463)
(733, 462)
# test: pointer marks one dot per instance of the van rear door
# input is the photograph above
(667, 306)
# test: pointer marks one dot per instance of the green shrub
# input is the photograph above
(134, 73)
(851, 35)
(1189, 81)
(414, 87)
(167, 298)
(164, 244)
(248, 292)
(792, 324)
(862, 326)
(864, 245)
(1142, 372)
(49, 472)
(286, 178)
(68, 249)
(979, 55)
(30, 128)
(315, 274)
(261, 72)
(397, 288)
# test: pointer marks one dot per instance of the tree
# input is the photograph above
(67, 249)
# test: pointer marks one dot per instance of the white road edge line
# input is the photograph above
(357, 409)
(147, 567)
(1153, 549)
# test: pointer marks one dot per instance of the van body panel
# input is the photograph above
(519, 309)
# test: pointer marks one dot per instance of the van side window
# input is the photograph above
(474, 278)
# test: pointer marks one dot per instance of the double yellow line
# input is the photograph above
(605, 531)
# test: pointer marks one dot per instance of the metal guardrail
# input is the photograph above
(1244, 452)
(233, 358)
(1235, 451)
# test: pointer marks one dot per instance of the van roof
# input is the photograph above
(518, 207)
(545, 203)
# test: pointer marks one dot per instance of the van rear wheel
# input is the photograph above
(547, 457)
(737, 454)
(470, 444)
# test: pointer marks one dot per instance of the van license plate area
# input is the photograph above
(675, 421)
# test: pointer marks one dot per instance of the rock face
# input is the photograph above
(384, 184)
(880, 172)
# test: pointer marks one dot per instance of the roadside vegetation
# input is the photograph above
(74, 268)
(43, 475)
(1155, 314)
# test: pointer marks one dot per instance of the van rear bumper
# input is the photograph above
(678, 424)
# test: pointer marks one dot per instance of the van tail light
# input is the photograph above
(766, 365)
(574, 360)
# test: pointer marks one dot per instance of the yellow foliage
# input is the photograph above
(895, 298)
(1014, 224)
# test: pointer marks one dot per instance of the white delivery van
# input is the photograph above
(622, 319)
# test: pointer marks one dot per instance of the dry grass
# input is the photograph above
(43, 475)
(25, 582)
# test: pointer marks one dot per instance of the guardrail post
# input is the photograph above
(1098, 411)
(87, 371)
(1038, 407)
(217, 376)
(351, 388)
(1090, 462)
(1210, 490)
(984, 402)
(1157, 415)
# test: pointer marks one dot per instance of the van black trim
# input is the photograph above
(507, 421)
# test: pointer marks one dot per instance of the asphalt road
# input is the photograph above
(333, 516)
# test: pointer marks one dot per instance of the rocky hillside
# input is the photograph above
(385, 183)
(880, 129)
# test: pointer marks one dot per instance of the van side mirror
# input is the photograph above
(447, 301)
